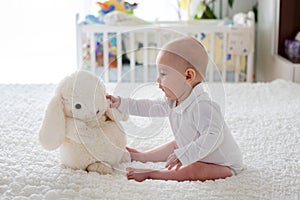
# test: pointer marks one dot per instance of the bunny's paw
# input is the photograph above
(100, 167)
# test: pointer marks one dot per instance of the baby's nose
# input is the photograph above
(158, 80)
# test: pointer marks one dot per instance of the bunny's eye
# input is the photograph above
(77, 106)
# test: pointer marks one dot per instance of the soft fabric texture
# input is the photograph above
(80, 123)
(263, 117)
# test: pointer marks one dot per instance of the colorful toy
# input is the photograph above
(105, 7)
(91, 19)
(130, 7)
(116, 5)
(292, 50)
(112, 54)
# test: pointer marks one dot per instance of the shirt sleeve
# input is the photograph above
(209, 125)
(144, 107)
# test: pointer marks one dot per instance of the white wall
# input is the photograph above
(241, 6)
(166, 10)
(37, 40)
(265, 39)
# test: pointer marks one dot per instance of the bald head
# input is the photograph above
(185, 52)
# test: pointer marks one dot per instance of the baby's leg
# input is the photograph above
(193, 172)
(159, 154)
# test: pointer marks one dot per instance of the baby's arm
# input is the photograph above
(141, 107)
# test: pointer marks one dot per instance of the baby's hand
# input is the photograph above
(114, 101)
(173, 161)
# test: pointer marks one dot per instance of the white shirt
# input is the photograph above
(198, 126)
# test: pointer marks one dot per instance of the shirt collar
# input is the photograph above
(197, 91)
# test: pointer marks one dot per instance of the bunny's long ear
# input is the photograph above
(52, 132)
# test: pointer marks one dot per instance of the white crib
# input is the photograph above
(127, 53)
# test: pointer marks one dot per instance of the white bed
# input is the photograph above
(264, 119)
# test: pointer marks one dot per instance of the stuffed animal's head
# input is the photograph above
(80, 96)
(83, 96)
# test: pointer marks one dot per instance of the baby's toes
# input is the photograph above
(129, 170)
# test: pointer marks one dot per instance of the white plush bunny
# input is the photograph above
(78, 120)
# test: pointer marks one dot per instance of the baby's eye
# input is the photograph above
(163, 74)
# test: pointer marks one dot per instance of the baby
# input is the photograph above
(203, 148)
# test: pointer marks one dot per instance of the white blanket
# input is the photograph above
(264, 119)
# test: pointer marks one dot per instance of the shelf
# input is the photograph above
(287, 69)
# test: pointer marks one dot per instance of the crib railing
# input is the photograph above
(146, 39)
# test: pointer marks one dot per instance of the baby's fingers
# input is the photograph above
(178, 166)
(108, 96)
(114, 101)
(170, 164)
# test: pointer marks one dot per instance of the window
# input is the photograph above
(37, 41)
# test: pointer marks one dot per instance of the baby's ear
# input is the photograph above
(190, 74)
(52, 131)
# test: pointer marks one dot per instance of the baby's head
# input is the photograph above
(183, 53)
(184, 60)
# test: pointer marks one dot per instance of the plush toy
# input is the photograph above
(116, 5)
(79, 121)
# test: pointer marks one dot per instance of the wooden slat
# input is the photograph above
(224, 73)
(132, 56)
(105, 56)
(92, 52)
(211, 55)
(250, 67)
(119, 56)
(79, 44)
(158, 40)
(145, 60)
(237, 68)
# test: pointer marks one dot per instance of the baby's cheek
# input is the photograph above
(176, 81)
(167, 84)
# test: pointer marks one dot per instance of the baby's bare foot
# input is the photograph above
(135, 154)
(138, 174)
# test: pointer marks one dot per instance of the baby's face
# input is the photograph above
(169, 81)
(171, 77)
